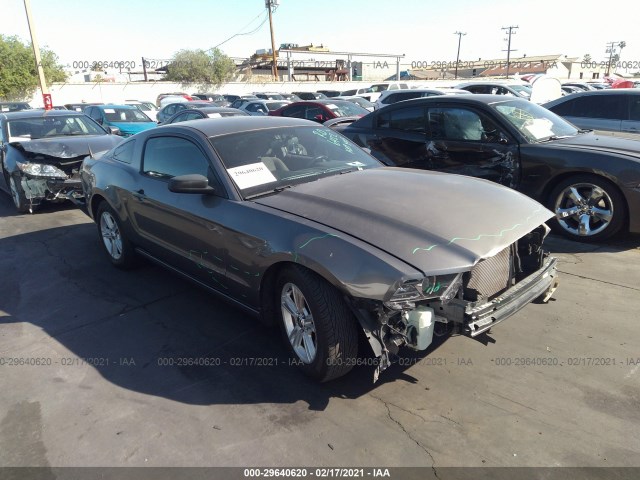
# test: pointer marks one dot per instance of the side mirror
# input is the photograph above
(502, 140)
(193, 183)
(114, 130)
(319, 118)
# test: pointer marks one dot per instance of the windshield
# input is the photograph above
(50, 126)
(536, 123)
(346, 109)
(523, 90)
(267, 160)
(275, 105)
(379, 88)
(128, 115)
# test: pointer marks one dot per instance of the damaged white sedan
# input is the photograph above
(41, 153)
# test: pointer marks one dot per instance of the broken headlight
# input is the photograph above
(444, 287)
(41, 170)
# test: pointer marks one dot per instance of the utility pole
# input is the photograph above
(611, 49)
(46, 96)
(509, 50)
(144, 69)
(271, 6)
(460, 34)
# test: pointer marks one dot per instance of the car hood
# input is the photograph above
(438, 223)
(131, 128)
(601, 143)
(51, 150)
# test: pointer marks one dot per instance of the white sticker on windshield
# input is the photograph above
(22, 138)
(213, 115)
(109, 110)
(251, 175)
(539, 128)
(331, 106)
(355, 164)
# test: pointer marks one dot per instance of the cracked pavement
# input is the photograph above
(141, 368)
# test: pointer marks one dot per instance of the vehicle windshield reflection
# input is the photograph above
(535, 123)
(271, 159)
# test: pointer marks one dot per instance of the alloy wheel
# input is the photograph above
(298, 322)
(584, 209)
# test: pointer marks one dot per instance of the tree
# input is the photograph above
(211, 67)
(586, 58)
(18, 73)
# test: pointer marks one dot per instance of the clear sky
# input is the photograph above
(110, 30)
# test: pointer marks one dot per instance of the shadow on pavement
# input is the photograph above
(151, 332)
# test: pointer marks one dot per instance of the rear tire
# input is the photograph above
(116, 245)
(319, 329)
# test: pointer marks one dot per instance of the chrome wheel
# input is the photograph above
(111, 236)
(584, 209)
(298, 322)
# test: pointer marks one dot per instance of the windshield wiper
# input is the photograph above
(554, 137)
(268, 192)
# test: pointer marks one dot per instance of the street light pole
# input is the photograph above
(36, 53)
(460, 34)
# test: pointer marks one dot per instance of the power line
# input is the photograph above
(247, 33)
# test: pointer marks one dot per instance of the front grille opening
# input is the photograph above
(489, 277)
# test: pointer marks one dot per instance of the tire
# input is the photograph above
(17, 193)
(330, 328)
(117, 247)
(596, 213)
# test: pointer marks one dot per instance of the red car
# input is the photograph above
(320, 110)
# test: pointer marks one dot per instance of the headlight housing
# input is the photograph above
(41, 170)
(444, 287)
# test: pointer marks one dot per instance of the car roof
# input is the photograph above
(34, 113)
(114, 105)
(214, 127)
(589, 93)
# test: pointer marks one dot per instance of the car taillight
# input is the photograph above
(189, 97)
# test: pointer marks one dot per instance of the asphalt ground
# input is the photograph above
(98, 370)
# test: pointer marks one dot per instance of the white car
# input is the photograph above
(148, 108)
(392, 96)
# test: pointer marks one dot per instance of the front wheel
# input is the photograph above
(117, 247)
(17, 194)
(588, 208)
(319, 328)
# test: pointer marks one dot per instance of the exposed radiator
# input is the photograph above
(489, 277)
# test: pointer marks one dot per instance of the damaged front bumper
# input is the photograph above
(413, 327)
(37, 189)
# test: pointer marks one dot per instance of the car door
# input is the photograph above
(400, 137)
(184, 230)
(599, 112)
(467, 141)
(632, 125)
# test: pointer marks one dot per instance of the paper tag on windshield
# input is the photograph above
(109, 110)
(214, 115)
(251, 175)
(539, 128)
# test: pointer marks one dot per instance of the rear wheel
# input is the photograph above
(319, 328)
(117, 247)
(588, 208)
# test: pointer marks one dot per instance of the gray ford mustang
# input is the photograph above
(294, 223)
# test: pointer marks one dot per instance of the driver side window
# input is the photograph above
(166, 157)
(461, 124)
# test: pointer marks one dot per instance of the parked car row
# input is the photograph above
(313, 234)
